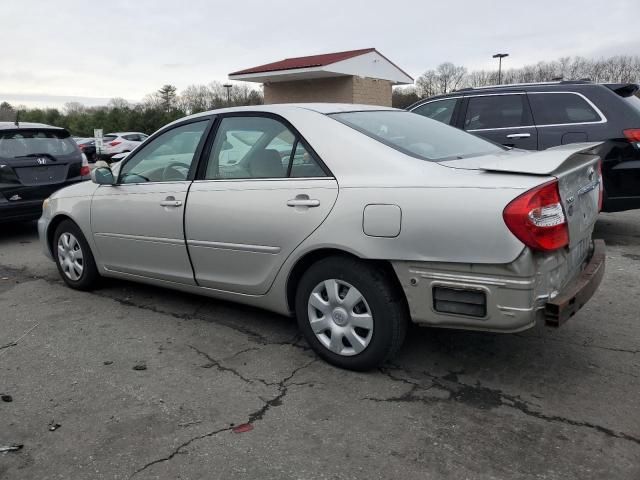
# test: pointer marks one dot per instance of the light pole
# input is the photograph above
(228, 87)
(500, 56)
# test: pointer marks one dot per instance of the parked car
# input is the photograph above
(541, 115)
(121, 142)
(88, 147)
(35, 161)
(379, 218)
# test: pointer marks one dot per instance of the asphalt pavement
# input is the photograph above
(133, 381)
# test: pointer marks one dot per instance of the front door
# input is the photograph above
(262, 193)
(137, 224)
(502, 118)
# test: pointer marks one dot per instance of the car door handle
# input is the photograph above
(303, 202)
(170, 202)
(519, 135)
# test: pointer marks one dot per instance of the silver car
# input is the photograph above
(355, 219)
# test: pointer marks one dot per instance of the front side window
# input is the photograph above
(561, 108)
(258, 147)
(167, 158)
(416, 135)
(441, 110)
(497, 111)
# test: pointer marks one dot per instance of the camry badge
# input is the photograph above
(41, 160)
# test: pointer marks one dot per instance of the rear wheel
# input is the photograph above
(73, 257)
(351, 313)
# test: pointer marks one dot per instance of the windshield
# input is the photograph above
(416, 135)
(22, 143)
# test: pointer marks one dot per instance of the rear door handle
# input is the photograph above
(519, 135)
(170, 202)
(303, 202)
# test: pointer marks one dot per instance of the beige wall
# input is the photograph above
(371, 91)
(336, 90)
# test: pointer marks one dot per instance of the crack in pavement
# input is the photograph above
(584, 345)
(222, 368)
(179, 450)
(485, 398)
(283, 388)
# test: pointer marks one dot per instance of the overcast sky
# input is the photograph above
(57, 51)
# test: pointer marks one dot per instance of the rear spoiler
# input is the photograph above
(623, 89)
(543, 162)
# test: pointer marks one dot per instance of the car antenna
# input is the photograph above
(17, 122)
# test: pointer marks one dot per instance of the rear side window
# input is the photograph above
(441, 110)
(497, 111)
(561, 108)
(33, 143)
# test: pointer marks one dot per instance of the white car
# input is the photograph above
(121, 142)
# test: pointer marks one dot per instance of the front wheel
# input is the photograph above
(73, 257)
(351, 313)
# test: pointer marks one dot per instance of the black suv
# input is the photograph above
(541, 115)
(35, 161)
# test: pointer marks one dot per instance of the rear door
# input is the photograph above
(262, 192)
(503, 118)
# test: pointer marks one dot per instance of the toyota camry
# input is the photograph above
(355, 219)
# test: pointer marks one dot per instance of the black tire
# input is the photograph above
(89, 277)
(383, 298)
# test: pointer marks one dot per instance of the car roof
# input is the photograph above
(559, 85)
(26, 125)
(124, 133)
(283, 108)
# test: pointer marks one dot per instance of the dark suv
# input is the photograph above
(542, 115)
(35, 161)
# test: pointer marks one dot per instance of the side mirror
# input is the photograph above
(102, 176)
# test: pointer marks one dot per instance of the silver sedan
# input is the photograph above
(357, 220)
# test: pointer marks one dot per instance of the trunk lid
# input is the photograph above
(579, 182)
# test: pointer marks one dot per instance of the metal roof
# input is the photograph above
(305, 62)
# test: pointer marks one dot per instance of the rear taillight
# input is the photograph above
(601, 192)
(85, 169)
(113, 144)
(537, 219)
(632, 134)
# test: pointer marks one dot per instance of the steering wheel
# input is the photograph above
(170, 172)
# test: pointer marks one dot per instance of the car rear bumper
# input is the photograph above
(579, 291)
(20, 211)
(502, 298)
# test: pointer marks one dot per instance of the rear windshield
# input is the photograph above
(26, 143)
(109, 138)
(416, 135)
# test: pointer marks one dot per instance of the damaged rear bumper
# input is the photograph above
(502, 298)
(574, 295)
